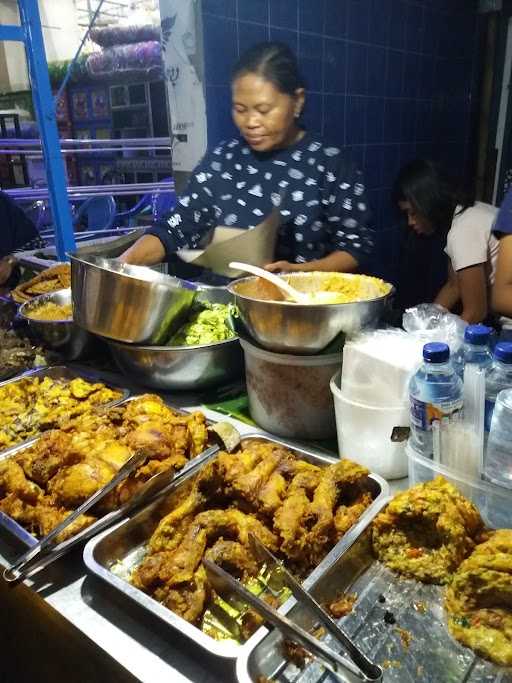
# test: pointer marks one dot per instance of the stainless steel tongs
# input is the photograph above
(360, 668)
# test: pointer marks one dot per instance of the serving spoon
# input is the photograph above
(294, 294)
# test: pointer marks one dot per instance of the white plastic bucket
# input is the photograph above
(289, 395)
(364, 434)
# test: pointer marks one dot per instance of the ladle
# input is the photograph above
(292, 293)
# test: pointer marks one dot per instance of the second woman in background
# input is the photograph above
(434, 207)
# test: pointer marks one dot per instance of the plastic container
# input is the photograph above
(435, 393)
(497, 378)
(498, 458)
(289, 395)
(364, 433)
(475, 350)
(494, 502)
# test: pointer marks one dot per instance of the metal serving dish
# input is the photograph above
(432, 655)
(61, 372)
(28, 539)
(64, 336)
(130, 304)
(118, 551)
(286, 327)
(183, 367)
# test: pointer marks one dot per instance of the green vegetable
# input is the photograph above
(207, 325)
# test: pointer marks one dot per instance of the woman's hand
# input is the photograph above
(284, 266)
(6, 267)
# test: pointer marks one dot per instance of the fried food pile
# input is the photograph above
(479, 599)
(50, 280)
(51, 311)
(298, 510)
(42, 484)
(427, 531)
(35, 404)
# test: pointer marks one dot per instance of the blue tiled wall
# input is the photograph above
(388, 80)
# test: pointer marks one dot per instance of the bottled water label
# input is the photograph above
(423, 414)
(489, 409)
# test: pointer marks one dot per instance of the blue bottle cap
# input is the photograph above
(503, 352)
(477, 334)
(436, 352)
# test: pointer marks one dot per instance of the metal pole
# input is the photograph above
(47, 120)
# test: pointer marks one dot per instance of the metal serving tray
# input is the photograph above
(113, 555)
(432, 655)
(62, 372)
(19, 532)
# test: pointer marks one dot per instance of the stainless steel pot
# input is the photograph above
(64, 336)
(130, 304)
(287, 327)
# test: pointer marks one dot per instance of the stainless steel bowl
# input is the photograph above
(64, 336)
(183, 367)
(287, 327)
(131, 304)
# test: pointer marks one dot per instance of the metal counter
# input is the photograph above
(124, 640)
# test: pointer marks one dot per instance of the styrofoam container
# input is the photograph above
(377, 367)
(289, 395)
(364, 433)
(494, 502)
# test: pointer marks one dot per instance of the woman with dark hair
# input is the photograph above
(274, 163)
(435, 209)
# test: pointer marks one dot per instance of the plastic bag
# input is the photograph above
(433, 323)
(137, 59)
(108, 36)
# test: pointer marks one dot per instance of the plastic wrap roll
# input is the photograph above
(108, 36)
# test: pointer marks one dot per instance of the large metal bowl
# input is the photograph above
(286, 327)
(183, 367)
(131, 304)
(64, 336)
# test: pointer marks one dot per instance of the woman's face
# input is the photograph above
(265, 116)
(415, 220)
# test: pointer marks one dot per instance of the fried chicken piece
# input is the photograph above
(14, 482)
(164, 536)
(479, 599)
(248, 486)
(427, 531)
(188, 601)
(233, 557)
(347, 515)
(271, 494)
(73, 485)
(52, 452)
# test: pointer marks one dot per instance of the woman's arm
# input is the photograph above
(502, 290)
(470, 287)
(449, 295)
(147, 251)
(338, 261)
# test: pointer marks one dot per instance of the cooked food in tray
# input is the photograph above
(426, 531)
(432, 533)
(479, 599)
(50, 280)
(32, 405)
(297, 509)
(18, 353)
(51, 311)
(41, 484)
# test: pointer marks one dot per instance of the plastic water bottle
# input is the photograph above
(475, 350)
(435, 392)
(497, 377)
(498, 459)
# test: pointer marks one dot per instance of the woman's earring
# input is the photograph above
(297, 114)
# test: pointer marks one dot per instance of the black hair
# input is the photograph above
(275, 62)
(433, 195)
